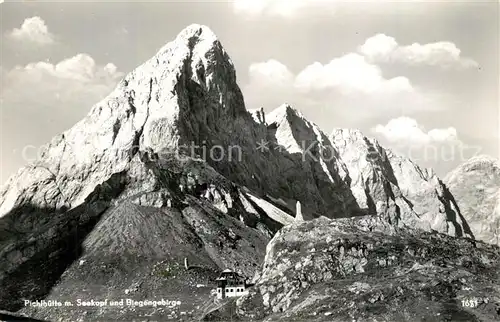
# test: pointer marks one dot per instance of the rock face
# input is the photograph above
(170, 167)
(350, 269)
(187, 89)
(395, 188)
(293, 134)
(476, 187)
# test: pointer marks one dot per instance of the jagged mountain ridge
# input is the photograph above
(393, 186)
(383, 183)
(186, 94)
(133, 148)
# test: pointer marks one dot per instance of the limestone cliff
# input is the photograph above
(476, 187)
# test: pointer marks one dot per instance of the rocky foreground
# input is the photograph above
(353, 270)
(128, 205)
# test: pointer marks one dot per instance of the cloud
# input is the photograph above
(73, 83)
(78, 81)
(348, 87)
(438, 148)
(75, 75)
(33, 30)
(272, 7)
(350, 74)
(44, 95)
(271, 72)
(383, 48)
(81, 68)
(407, 130)
(349, 84)
(354, 82)
(290, 8)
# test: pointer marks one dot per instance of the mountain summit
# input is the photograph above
(188, 89)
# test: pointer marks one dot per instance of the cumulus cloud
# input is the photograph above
(271, 72)
(349, 74)
(43, 95)
(80, 68)
(80, 71)
(406, 129)
(79, 80)
(269, 81)
(349, 84)
(356, 80)
(348, 87)
(383, 48)
(438, 148)
(33, 30)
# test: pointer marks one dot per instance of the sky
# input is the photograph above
(422, 77)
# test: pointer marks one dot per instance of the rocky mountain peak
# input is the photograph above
(289, 125)
(395, 188)
(185, 93)
(482, 163)
(346, 134)
(475, 185)
(483, 159)
(198, 32)
(284, 111)
(197, 44)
